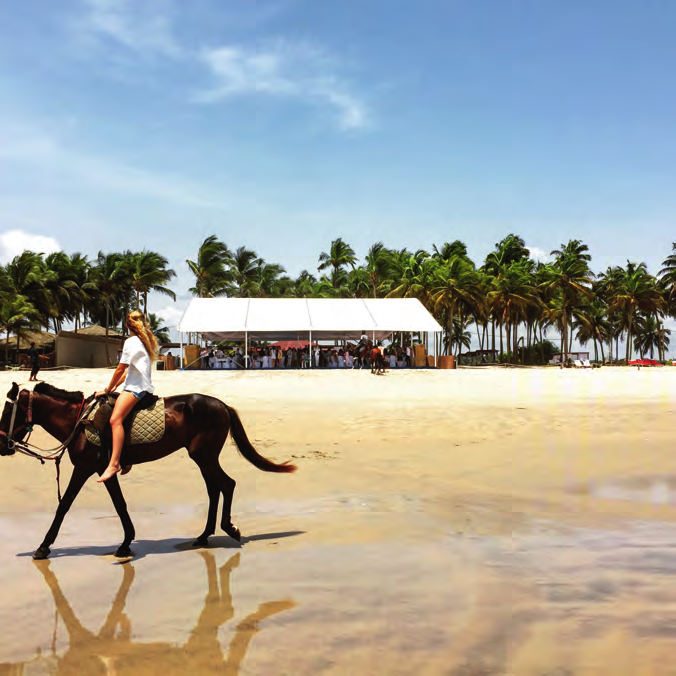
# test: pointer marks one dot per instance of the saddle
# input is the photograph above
(143, 425)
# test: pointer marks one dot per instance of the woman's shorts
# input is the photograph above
(138, 395)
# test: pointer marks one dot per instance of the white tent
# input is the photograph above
(304, 318)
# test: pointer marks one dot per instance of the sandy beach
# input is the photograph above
(490, 521)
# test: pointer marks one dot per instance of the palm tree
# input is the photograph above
(455, 289)
(458, 337)
(303, 285)
(17, 316)
(160, 331)
(265, 283)
(243, 269)
(149, 273)
(513, 292)
(29, 277)
(638, 292)
(570, 278)
(668, 273)
(451, 250)
(340, 254)
(210, 268)
(359, 283)
(418, 278)
(592, 324)
(575, 248)
(109, 280)
(378, 266)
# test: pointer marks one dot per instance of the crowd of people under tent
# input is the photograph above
(275, 357)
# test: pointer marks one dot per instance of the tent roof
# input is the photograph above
(291, 318)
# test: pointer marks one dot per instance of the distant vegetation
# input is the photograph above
(510, 301)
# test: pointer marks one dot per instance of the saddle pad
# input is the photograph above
(147, 426)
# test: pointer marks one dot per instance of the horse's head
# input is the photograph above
(11, 407)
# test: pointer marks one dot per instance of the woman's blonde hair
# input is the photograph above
(138, 325)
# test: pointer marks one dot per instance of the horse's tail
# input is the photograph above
(249, 452)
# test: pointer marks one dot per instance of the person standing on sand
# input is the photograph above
(35, 361)
(138, 354)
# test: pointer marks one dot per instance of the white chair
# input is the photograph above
(578, 364)
(586, 364)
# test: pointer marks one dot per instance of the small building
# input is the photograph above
(88, 348)
(44, 342)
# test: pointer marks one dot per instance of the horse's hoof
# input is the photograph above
(41, 553)
(201, 542)
(123, 552)
(233, 532)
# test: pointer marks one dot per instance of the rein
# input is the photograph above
(41, 454)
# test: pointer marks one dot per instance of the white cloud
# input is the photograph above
(15, 242)
(295, 70)
(171, 314)
(292, 70)
(538, 254)
(142, 26)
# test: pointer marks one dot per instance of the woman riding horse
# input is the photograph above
(135, 367)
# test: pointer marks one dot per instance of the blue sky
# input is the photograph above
(283, 124)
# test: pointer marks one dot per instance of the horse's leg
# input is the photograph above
(115, 492)
(77, 481)
(214, 494)
(228, 484)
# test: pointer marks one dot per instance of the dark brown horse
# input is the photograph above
(196, 422)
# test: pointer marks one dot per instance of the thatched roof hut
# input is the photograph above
(95, 330)
(44, 340)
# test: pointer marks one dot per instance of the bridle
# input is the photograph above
(41, 454)
(16, 444)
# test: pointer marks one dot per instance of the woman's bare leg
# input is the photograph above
(125, 402)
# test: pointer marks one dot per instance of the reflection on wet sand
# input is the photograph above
(112, 650)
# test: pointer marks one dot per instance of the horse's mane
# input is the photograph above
(57, 393)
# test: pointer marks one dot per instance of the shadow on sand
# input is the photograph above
(143, 548)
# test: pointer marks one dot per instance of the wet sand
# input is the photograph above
(460, 522)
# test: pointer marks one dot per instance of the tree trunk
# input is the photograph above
(493, 330)
(603, 356)
(542, 345)
(629, 339)
(461, 332)
(501, 348)
(107, 325)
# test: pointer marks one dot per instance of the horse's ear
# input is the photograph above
(14, 392)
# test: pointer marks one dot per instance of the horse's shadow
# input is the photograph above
(113, 649)
(143, 548)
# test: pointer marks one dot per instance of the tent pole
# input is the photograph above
(181, 353)
(246, 350)
(309, 349)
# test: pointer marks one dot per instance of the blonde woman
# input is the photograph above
(134, 369)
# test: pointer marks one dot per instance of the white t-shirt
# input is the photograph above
(138, 374)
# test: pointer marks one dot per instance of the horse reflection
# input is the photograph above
(113, 650)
